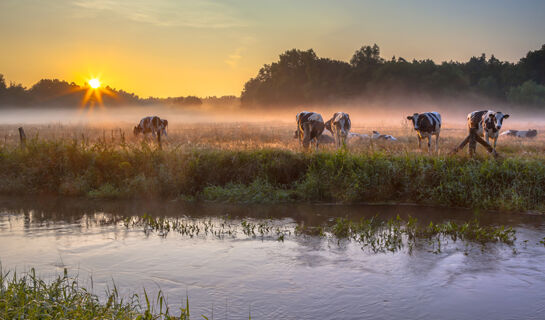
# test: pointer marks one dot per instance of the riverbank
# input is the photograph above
(271, 175)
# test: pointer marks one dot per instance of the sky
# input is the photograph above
(176, 48)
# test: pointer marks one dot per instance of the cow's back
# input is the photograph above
(474, 119)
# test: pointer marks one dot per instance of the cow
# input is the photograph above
(377, 136)
(426, 125)
(357, 136)
(323, 139)
(520, 134)
(310, 126)
(485, 123)
(152, 124)
(488, 124)
(339, 125)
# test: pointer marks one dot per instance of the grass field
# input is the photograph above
(261, 162)
(252, 135)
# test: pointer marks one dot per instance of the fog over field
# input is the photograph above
(367, 114)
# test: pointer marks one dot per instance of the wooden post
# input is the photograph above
(22, 137)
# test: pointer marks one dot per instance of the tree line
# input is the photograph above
(59, 93)
(301, 77)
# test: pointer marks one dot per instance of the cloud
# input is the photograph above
(233, 59)
(169, 13)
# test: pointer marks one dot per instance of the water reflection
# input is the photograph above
(303, 277)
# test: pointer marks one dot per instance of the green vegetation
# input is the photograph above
(376, 234)
(29, 297)
(394, 234)
(270, 175)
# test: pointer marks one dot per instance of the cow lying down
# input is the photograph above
(520, 134)
(322, 139)
(378, 136)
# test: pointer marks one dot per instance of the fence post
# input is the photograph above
(22, 137)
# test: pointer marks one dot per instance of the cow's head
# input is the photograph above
(531, 133)
(137, 130)
(341, 120)
(494, 120)
(414, 119)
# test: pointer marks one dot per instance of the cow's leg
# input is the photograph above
(437, 143)
(495, 140)
(429, 143)
(299, 135)
(306, 135)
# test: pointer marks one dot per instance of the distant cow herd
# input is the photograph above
(310, 128)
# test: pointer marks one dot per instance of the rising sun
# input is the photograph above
(94, 83)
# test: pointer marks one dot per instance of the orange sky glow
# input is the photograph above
(171, 48)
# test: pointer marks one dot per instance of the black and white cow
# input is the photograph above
(322, 139)
(153, 125)
(520, 134)
(487, 123)
(310, 126)
(379, 136)
(427, 124)
(339, 125)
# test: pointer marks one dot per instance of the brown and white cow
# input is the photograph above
(153, 125)
(310, 126)
(520, 133)
(339, 125)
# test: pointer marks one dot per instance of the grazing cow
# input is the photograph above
(310, 126)
(378, 136)
(520, 134)
(339, 125)
(426, 125)
(485, 123)
(152, 124)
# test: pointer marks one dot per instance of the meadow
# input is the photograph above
(262, 162)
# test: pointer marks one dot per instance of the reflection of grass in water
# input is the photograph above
(29, 297)
(375, 234)
(392, 235)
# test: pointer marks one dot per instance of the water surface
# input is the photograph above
(303, 277)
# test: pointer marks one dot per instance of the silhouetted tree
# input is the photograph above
(301, 77)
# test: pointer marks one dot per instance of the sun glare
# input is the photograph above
(94, 83)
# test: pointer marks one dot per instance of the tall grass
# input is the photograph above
(106, 170)
(27, 296)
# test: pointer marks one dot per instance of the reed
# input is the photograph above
(27, 296)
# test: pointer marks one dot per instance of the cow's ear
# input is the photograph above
(505, 116)
(409, 117)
